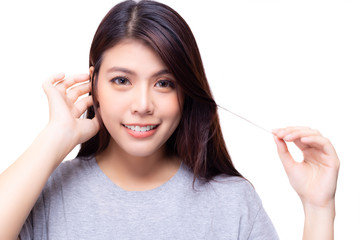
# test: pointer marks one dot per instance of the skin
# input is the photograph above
(131, 91)
(63, 132)
(314, 179)
(141, 164)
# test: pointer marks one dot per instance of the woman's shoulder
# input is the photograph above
(234, 188)
(225, 188)
(75, 165)
(235, 198)
(69, 171)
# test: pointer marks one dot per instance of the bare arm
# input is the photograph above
(23, 181)
(314, 179)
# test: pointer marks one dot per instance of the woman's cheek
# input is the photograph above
(171, 110)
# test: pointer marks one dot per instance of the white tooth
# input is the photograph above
(140, 129)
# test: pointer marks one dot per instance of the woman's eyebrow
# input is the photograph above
(130, 72)
(161, 72)
(120, 69)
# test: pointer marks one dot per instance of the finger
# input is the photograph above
(290, 128)
(90, 128)
(82, 105)
(49, 83)
(74, 93)
(284, 154)
(320, 143)
(282, 132)
(50, 90)
(291, 133)
(294, 134)
(70, 81)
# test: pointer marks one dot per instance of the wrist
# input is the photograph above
(320, 214)
(319, 221)
(62, 141)
(326, 209)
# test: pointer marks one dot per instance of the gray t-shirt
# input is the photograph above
(80, 202)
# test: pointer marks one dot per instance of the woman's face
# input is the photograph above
(138, 99)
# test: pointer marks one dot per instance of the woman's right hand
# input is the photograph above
(65, 107)
(64, 131)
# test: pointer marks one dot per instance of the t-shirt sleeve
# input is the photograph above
(27, 229)
(255, 224)
(35, 224)
(263, 228)
(49, 208)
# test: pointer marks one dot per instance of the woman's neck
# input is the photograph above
(134, 173)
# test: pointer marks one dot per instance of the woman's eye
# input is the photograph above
(121, 81)
(165, 84)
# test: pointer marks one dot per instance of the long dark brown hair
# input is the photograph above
(198, 139)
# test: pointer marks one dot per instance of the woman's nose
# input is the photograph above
(142, 101)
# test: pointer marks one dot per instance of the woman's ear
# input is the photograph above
(91, 72)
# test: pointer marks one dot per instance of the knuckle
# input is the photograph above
(77, 92)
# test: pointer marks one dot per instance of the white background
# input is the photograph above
(278, 63)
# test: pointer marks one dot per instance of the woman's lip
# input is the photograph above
(140, 124)
(140, 131)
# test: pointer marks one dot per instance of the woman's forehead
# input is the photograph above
(132, 55)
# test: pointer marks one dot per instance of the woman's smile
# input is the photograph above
(141, 130)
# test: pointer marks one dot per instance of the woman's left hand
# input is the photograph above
(314, 178)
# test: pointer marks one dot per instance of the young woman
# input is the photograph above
(153, 162)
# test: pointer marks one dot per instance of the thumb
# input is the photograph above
(89, 128)
(284, 154)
